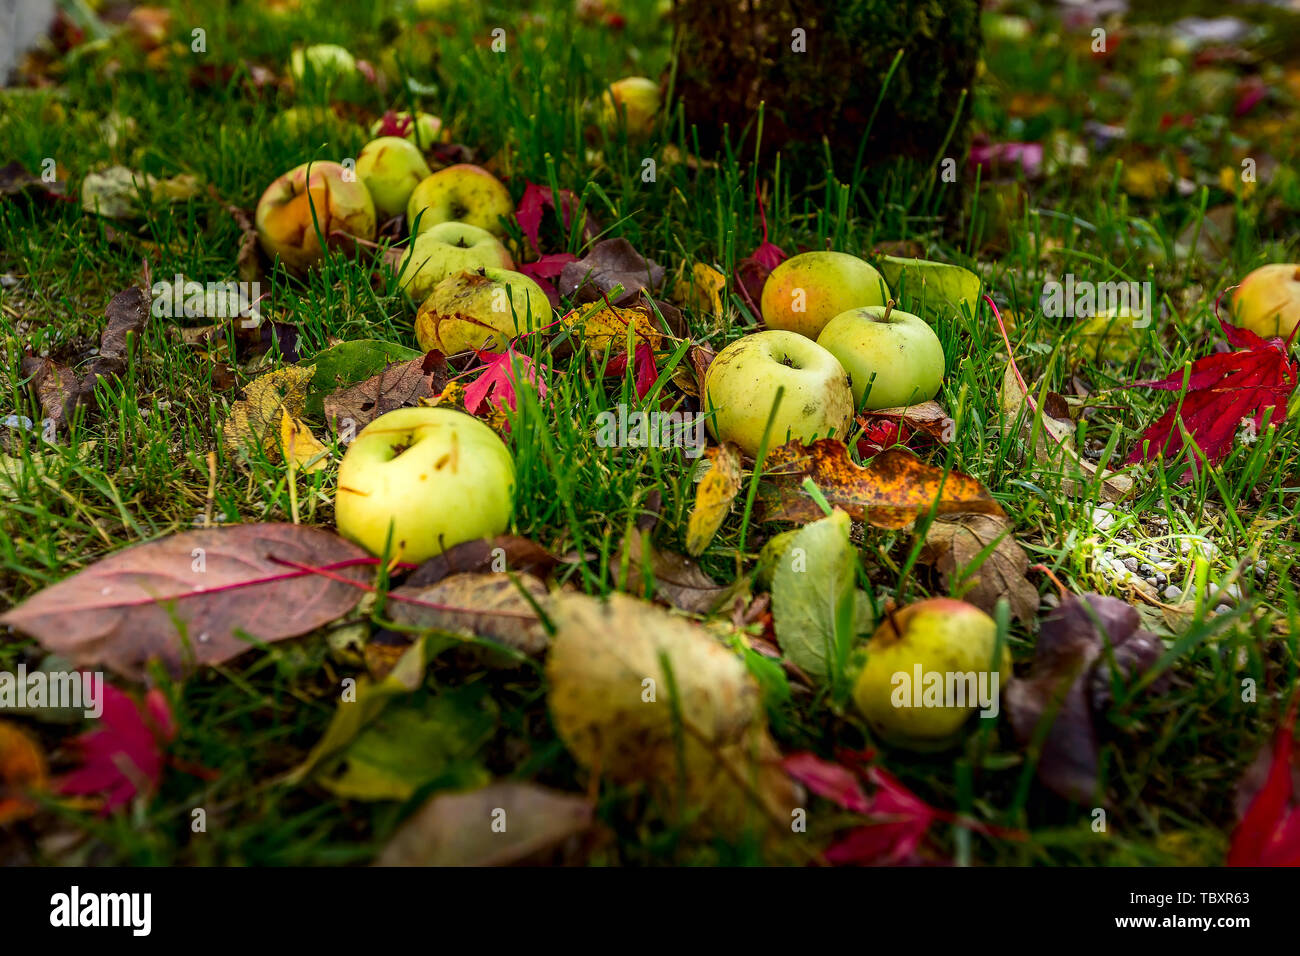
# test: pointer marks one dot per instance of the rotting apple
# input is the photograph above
(317, 199)
(808, 290)
(1268, 301)
(633, 100)
(893, 357)
(446, 249)
(424, 131)
(460, 193)
(435, 476)
(928, 667)
(482, 309)
(742, 382)
(391, 167)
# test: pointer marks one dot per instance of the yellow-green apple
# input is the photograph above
(929, 666)
(424, 131)
(482, 309)
(391, 168)
(633, 100)
(299, 121)
(742, 382)
(434, 476)
(460, 193)
(893, 357)
(1268, 301)
(446, 249)
(808, 290)
(312, 200)
(322, 66)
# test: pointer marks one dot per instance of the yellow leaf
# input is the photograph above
(255, 421)
(604, 326)
(713, 497)
(22, 771)
(702, 292)
(300, 446)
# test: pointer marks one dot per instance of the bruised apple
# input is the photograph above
(445, 250)
(314, 200)
(430, 477)
(477, 310)
(424, 131)
(460, 193)
(742, 382)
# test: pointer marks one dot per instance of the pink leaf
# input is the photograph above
(828, 780)
(497, 381)
(1269, 833)
(124, 757)
(529, 211)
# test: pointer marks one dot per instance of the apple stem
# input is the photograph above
(889, 307)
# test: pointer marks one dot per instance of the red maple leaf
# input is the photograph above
(766, 254)
(647, 373)
(394, 125)
(532, 204)
(124, 757)
(546, 269)
(497, 381)
(1269, 832)
(1223, 390)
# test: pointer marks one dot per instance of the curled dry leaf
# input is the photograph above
(490, 606)
(255, 421)
(979, 559)
(611, 263)
(675, 578)
(198, 597)
(454, 829)
(1071, 671)
(397, 386)
(891, 492)
(700, 729)
(300, 446)
(504, 552)
(713, 497)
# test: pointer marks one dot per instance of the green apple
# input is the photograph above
(742, 382)
(1268, 301)
(300, 121)
(897, 690)
(391, 167)
(633, 100)
(808, 290)
(317, 197)
(937, 286)
(482, 309)
(425, 131)
(460, 193)
(435, 476)
(893, 357)
(322, 66)
(446, 249)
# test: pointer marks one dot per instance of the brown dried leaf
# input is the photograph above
(611, 262)
(677, 579)
(891, 492)
(486, 605)
(397, 386)
(954, 547)
(505, 552)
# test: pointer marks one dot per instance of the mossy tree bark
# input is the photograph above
(820, 68)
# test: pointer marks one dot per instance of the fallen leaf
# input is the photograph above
(673, 577)
(638, 694)
(491, 606)
(981, 562)
(300, 446)
(891, 492)
(22, 772)
(255, 421)
(187, 599)
(611, 263)
(501, 373)
(813, 596)
(121, 193)
(1269, 831)
(713, 497)
(1223, 390)
(456, 829)
(397, 386)
(349, 363)
(889, 426)
(702, 292)
(505, 552)
(123, 758)
(1071, 671)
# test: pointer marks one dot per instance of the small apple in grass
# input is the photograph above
(633, 100)
(1268, 301)
(480, 310)
(391, 168)
(892, 357)
(435, 476)
(322, 66)
(424, 131)
(742, 381)
(460, 193)
(939, 636)
(313, 200)
(447, 249)
(808, 290)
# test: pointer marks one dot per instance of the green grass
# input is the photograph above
(1170, 762)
